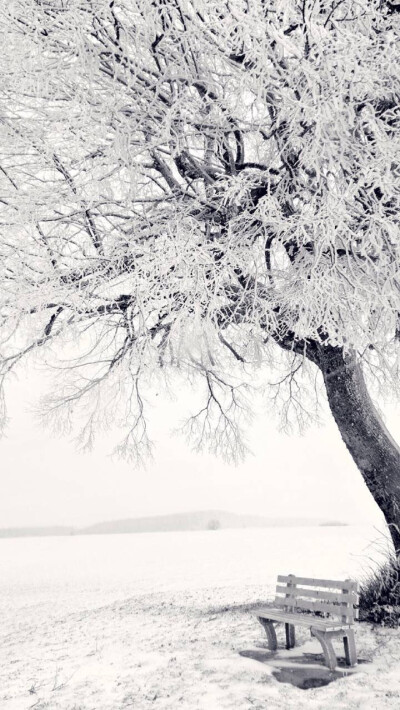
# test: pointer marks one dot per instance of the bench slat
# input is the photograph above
(340, 597)
(326, 583)
(335, 609)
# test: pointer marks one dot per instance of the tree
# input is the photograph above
(213, 524)
(205, 187)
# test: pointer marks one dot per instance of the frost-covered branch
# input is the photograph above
(197, 182)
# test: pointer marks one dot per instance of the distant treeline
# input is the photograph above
(199, 520)
(37, 532)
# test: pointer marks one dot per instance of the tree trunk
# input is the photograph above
(374, 451)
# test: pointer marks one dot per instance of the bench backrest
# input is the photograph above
(328, 596)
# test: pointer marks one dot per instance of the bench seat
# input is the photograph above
(300, 619)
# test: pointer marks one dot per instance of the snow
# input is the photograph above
(162, 621)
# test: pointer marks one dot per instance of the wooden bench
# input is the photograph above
(325, 606)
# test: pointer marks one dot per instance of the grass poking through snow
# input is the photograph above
(380, 594)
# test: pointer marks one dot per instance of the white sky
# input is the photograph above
(44, 481)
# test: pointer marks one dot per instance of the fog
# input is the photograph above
(45, 481)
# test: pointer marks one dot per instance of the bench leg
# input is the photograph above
(326, 643)
(270, 631)
(350, 648)
(290, 636)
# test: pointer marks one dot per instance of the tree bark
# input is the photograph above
(370, 444)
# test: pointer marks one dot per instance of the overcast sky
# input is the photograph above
(44, 481)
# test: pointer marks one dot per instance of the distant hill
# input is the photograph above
(197, 520)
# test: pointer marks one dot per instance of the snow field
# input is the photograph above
(161, 621)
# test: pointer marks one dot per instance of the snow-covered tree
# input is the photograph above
(205, 187)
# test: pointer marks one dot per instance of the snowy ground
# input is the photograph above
(162, 621)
